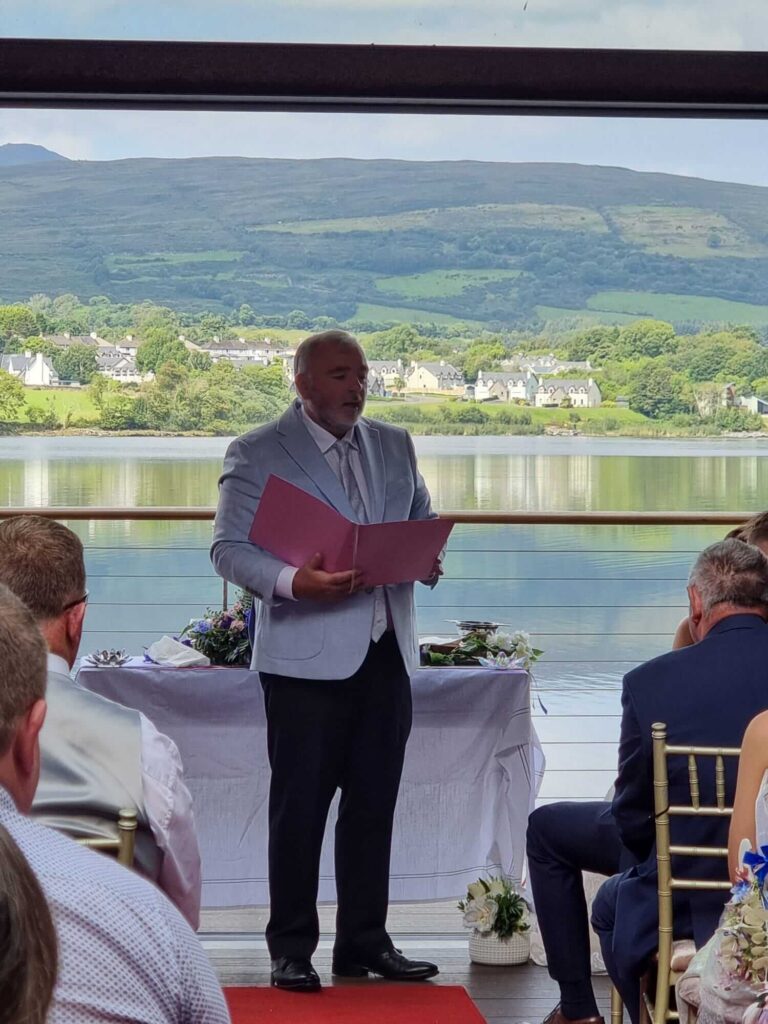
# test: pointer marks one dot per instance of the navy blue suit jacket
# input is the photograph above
(706, 694)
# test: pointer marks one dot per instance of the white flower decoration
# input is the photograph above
(481, 914)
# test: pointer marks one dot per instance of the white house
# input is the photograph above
(389, 370)
(753, 404)
(551, 364)
(434, 377)
(32, 369)
(259, 352)
(506, 386)
(122, 368)
(583, 394)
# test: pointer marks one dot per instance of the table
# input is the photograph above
(472, 770)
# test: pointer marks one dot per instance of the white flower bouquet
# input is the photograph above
(495, 906)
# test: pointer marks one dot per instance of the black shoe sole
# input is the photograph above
(300, 987)
(358, 971)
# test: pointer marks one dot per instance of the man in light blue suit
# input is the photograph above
(334, 657)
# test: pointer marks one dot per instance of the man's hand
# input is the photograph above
(313, 582)
(434, 576)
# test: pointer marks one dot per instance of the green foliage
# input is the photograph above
(117, 412)
(160, 346)
(655, 390)
(75, 363)
(481, 355)
(44, 417)
(11, 396)
(223, 635)
(17, 322)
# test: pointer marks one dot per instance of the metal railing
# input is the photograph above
(598, 598)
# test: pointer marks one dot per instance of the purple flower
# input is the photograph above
(187, 642)
(203, 626)
(225, 622)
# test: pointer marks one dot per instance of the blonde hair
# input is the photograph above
(28, 952)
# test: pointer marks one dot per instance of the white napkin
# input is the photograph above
(168, 651)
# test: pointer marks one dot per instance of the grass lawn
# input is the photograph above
(74, 403)
(436, 284)
(496, 215)
(404, 315)
(126, 259)
(683, 231)
(589, 316)
(679, 307)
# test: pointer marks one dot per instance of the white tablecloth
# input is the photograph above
(472, 769)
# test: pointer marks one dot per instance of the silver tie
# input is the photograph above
(352, 488)
(349, 481)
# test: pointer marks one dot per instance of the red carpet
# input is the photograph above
(355, 1004)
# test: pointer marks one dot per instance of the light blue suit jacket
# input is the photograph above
(312, 639)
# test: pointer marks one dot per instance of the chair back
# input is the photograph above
(123, 845)
(668, 882)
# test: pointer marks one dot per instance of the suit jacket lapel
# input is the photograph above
(373, 467)
(296, 440)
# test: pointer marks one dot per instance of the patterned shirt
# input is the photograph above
(125, 952)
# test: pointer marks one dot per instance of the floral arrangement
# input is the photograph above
(743, 948)
(222, 635)
(495, 906)
(490, 649)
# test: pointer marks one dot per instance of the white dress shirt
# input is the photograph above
(168, 806)
(125, 953)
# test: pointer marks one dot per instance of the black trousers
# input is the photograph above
(565, 839)
(324, 735)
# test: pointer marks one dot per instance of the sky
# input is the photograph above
(720, 150)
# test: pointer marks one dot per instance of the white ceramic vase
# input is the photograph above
(490, 949)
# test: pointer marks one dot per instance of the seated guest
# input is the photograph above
(754, 531)
(728, 593)
(718, 982)
(706, 694)
(97, 756)
(27, 941)
(125, 952)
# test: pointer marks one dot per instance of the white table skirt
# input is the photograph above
(472, 770)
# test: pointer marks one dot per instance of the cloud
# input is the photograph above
(675, 24)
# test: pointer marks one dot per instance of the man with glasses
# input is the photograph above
(97, 756)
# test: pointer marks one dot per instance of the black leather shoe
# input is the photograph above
(294, 974)
(389, 964)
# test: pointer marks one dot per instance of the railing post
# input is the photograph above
(224, 595)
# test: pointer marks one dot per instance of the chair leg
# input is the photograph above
(617, 1006)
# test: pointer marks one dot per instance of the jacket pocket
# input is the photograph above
(290, 636)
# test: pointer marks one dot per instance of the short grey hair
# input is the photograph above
(731, 572)
(303, 355)
(23, 664)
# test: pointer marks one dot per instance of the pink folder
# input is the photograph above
(293, 525)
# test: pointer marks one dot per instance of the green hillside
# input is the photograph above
(501, 245)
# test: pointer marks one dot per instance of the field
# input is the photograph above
(123, 260)
(73, 403)
(676, 308)
(403, 315)
(591, 316)
(437, 284)
(489, 215)
(683, 231)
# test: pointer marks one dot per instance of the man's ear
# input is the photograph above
(26, 754)
(696, 612)
(73, 624)
(300, 383)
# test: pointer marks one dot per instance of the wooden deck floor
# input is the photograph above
(234, 940)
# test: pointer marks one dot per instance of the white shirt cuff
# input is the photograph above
(284, 583)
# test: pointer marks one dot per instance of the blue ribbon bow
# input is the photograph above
(758, 863)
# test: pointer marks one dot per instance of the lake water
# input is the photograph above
(597, 599)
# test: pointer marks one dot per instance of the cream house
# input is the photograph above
(553, 391)
(434, 377)
(506, 386)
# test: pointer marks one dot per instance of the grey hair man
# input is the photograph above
(96, 755)
(727, 576)
(686, 688)
(125, 953)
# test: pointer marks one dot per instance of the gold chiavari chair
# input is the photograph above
(123, 844)
(658, 1008)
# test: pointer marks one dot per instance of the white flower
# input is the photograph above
(497, 887)
(501, 640)
(481, 914)
(476, 890)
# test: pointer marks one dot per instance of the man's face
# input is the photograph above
(334, 386)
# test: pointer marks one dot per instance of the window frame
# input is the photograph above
(163, 75)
